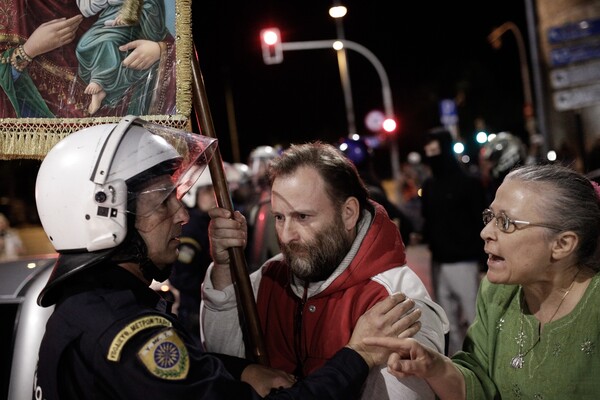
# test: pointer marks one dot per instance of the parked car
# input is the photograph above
(22, 322)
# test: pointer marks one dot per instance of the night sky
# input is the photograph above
(430, 51)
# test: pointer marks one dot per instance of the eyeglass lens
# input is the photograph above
(502, 220)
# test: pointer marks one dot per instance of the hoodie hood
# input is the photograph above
(445, 161)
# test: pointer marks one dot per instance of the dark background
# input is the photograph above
(430, 50)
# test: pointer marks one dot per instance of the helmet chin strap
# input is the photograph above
(134, 249)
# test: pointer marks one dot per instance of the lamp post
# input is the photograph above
(337, 12)
(495, 39)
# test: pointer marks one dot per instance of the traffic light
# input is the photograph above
(270, 40)
(389, 125)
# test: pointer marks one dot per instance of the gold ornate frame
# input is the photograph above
(32, 138)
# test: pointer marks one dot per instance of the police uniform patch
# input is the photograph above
(114, 351)
(165, 356)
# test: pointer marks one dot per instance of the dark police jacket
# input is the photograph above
(108, 339)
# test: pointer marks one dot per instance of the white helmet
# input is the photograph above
(237, 174)
(191, 196)
(259, 160)
(243, 171)
(87, 185)
(264, 152)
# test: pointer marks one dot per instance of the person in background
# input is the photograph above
(413, 176)
(340, 253)
(537, 330)
(109, 198)
(262, 238)
(194, 257)
(497, 157)
(11, 245)
(240, 186)
(593, 162)
(450, 203)
(361, 155)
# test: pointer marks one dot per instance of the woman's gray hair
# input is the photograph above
(572, 204)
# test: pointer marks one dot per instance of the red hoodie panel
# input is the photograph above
(328, 318)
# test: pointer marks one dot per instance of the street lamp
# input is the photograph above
(337, 12)
(495, 39)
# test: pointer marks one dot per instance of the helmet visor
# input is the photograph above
(173, 160)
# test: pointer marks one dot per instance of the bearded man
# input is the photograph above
(340, 254)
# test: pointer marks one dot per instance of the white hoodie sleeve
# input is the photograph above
(219, 319)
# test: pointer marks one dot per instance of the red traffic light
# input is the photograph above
(270, 40)
(389, 125)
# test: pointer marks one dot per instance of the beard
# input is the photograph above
(316, 260)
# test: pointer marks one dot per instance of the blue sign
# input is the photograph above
(577, 30)
(448, 112)
(573, 54)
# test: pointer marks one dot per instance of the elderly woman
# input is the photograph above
(537, 330)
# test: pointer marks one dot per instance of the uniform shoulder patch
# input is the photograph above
(150, 321)
(165, 356)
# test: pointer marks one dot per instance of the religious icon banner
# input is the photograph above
(69, 64)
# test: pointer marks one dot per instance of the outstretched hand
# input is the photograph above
(392, 317)
(410, 358)
(52, 35)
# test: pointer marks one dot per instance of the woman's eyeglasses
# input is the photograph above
(506, 224)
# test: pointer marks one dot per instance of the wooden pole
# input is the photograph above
(249, 321)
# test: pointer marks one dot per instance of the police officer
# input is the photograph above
(263, 243)
(109, 199)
